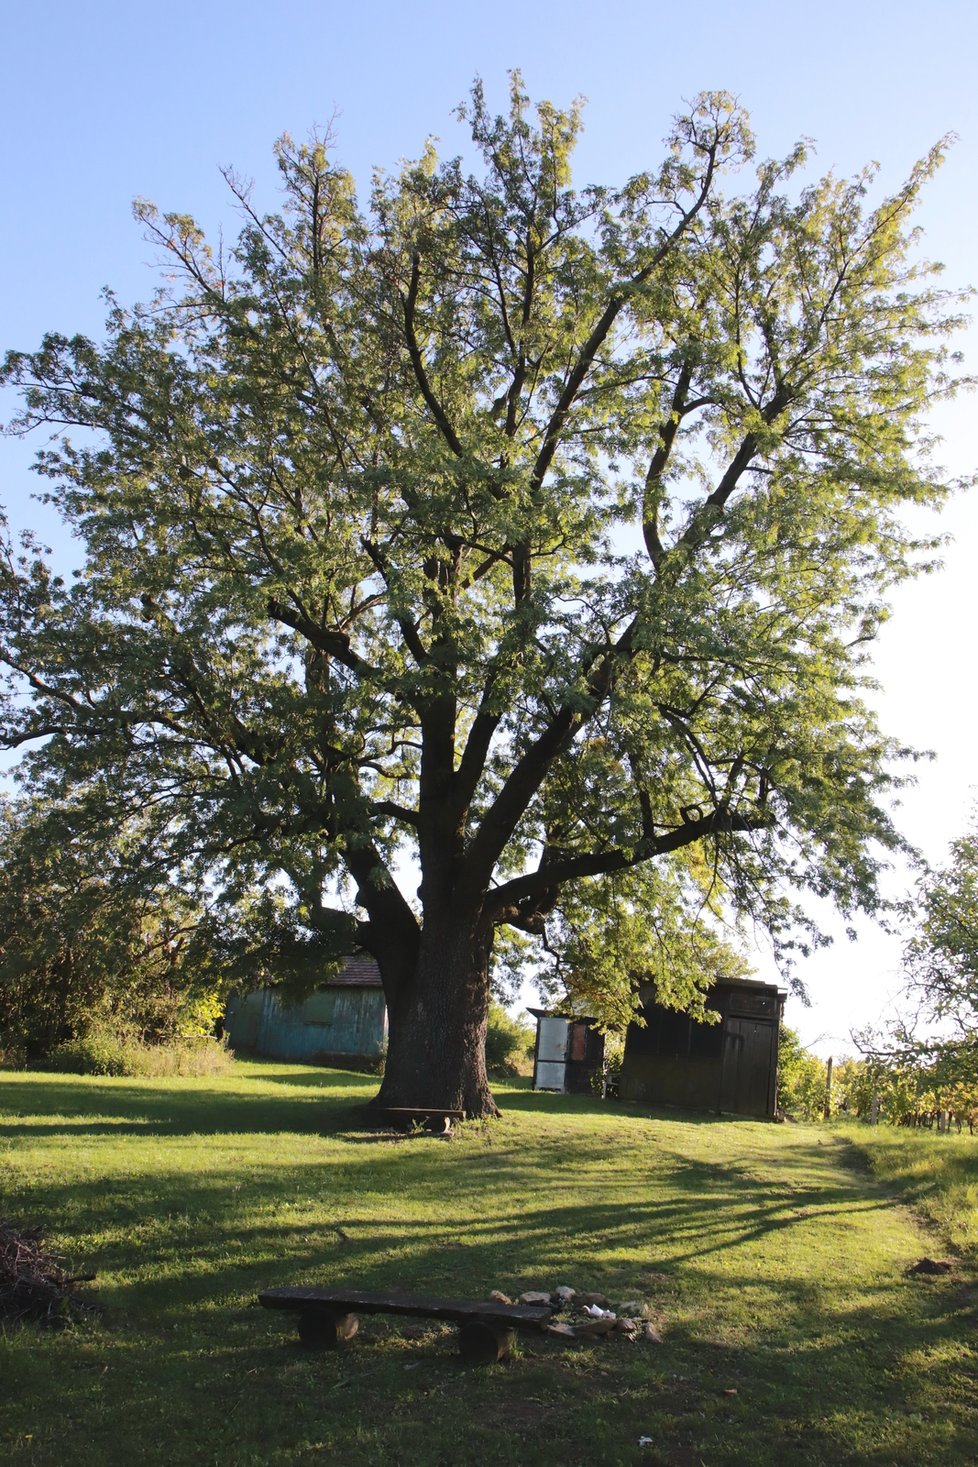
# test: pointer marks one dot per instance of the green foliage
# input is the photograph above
(656, 924)
(531, 532)
(100, 1052)
(89, 944)
(508, 1041)
(908, 1089)
(110, 1051)
(928, 1059)
(801, 1079)
(941, 968)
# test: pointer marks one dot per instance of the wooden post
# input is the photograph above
(323, 1329)
(874, 1109)
(482, 1342)
(827, 1108)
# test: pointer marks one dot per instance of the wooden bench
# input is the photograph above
(437, 1120)
(329, 1316)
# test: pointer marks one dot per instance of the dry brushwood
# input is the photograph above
(33, 1285)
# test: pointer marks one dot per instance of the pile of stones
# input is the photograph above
(588, 1315)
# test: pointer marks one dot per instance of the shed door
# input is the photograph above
(552, 1040)
(745, 1080)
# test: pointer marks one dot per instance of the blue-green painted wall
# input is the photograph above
(344, 1021)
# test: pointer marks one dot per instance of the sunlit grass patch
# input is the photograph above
(937, 1173)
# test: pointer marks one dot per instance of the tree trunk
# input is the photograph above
(437, 1024)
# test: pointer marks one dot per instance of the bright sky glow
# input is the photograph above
(112, 100)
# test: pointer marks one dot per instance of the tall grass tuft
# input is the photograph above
(105, 1051)
(937, 1174)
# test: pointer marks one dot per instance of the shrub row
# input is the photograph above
(105, 1052)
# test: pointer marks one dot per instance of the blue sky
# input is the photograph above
(109, 101)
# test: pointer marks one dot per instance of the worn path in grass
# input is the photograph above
(772, 1261)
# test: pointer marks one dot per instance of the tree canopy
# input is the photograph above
(521, 536)
(88, 940)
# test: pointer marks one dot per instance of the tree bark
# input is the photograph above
(437, 1022)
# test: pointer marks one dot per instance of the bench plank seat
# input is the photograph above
(358, 1301)
(413, 1110)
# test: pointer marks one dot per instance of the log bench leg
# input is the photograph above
(324, 1329)
(483, 1343)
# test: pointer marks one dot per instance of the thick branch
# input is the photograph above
(607, 319)
(334, 644)
(653, 479)
(530, 771)
(395, 811)
(513, 894)
(392, 934)
(746, 452)
(417, 361)
(409, 631)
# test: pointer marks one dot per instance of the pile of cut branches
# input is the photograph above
(33, 1284)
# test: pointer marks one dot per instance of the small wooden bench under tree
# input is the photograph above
(329, 1316)
(436, 1121)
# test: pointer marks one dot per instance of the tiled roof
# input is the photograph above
(358, 971)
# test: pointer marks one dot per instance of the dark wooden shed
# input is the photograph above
(730, 1067)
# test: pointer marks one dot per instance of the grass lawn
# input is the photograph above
(772, 1259)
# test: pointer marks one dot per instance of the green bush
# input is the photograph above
(801, 1079)
(104, 1051)
(508, 1041)
(13, 1056)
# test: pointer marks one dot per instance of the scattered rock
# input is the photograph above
(534, 1296)
(595, 1326)
(931, 1265)
(730, 1391)
(590, 1315)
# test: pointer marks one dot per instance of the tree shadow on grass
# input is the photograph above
(327, 1102)
(825, 1380)
(36, 1105)
(206, 1230)
(550, 1102)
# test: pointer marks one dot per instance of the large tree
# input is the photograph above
(508, 535)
